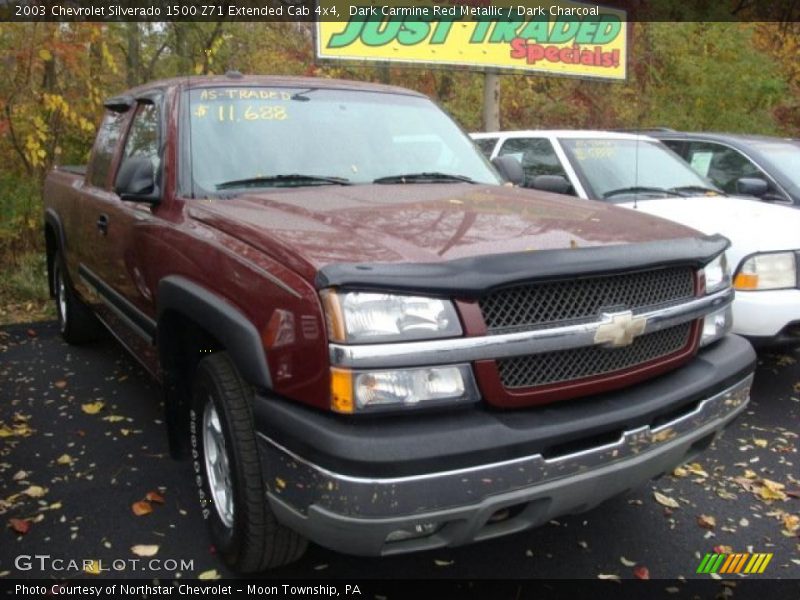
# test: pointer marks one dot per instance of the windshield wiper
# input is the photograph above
(291, 178)
(635, 189)
(428, 177)
(697, 188)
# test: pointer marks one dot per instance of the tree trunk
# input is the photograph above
(491, 102)
(133, 56)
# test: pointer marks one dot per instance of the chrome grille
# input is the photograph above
(579, 363)
(528, 306)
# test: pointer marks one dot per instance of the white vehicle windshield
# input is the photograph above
(615, 168)
(244, 137)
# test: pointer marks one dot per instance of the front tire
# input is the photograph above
(75, 320)
(228, 472)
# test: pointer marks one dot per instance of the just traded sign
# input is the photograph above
(563, 38)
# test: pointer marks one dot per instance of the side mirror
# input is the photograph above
(751, 186)
(136, 181)
(557, 184)
(510, 169)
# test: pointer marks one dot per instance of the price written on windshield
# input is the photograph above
(234, 113)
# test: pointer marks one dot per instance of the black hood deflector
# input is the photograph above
(475, 276)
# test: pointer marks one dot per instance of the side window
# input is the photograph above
(536, 155)
(721, 164)
(144, 137)
(104, 146)
(486, 146)
(677, 146)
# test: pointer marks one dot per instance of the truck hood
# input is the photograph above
(750, 225)
(310, 227)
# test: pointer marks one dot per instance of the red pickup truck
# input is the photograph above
(365, 338)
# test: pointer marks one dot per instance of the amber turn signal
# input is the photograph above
(342, 391)
(746, 281)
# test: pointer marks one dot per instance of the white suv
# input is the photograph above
(639, 172)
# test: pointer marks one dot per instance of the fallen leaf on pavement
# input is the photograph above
(750, 474)
(20, 475)
(145, 549)
(666, 500)
(626, 562)
(443, 563)
(154, 496)
(772, 485)
(723, 549)
(114, 418)
(91, 567)
(92, 408)
(706, 521)
(141, 508)
(212, 574)
(697, 469)
(609, 576)
(60, 384)
(791, 522)
(65, 459)
(680, 472)
(35, 491)
(641, 572)
(768, 493)
(760, 442)
(20, 525)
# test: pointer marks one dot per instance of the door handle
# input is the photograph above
(102, 224)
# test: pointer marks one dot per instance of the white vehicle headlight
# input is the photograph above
(771, 271)
(717, 274)
(369, 317)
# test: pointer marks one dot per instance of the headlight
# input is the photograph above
(359, 391)
(767, 272)
(368, 317)
(717, 274)
(716, 325)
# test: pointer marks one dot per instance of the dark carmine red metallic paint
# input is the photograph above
(315, 226)
(260, 251)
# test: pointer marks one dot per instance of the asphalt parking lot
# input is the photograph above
(82, 442)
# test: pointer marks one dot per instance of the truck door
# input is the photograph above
(127, 305)
(85, 229)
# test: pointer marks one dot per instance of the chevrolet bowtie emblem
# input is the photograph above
(619, 329)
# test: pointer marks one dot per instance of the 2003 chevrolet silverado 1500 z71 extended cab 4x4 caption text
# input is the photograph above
(364, 338)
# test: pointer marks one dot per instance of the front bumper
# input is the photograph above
(766, 313)
(356, 513)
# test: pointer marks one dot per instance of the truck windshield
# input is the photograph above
(615, 169)
(253, 137)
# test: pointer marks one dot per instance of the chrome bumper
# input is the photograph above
(537, 341)
(299, 485)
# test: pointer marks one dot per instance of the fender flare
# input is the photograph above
(222, 320)
(51, 218)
